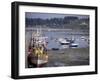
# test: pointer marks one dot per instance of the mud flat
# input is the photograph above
(68, 57)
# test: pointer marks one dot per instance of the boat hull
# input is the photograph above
(64, 43)
(37, 61)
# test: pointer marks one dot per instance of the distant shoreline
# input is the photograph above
(70, 31)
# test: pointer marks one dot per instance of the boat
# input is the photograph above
(55, 48)
(83, 38)
(72, 40)
(37, 50)
(73, 45)
(63, 41)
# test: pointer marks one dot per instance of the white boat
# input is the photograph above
(63, 41)
(73, 45)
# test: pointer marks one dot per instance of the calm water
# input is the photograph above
(73, 57)
(81, 39)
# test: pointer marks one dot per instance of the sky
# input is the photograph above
(50, 15)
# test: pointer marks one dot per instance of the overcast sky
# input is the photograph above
(50, 15)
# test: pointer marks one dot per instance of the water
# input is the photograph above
(68, 57)
(53, 37)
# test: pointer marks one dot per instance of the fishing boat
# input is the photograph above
(37, 50)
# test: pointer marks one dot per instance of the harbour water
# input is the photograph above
(81, 38)
(64, 56)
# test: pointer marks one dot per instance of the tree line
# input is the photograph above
(54, 21)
